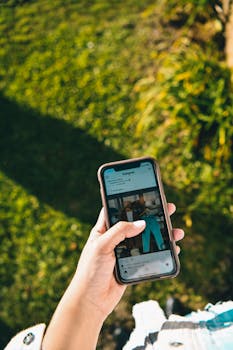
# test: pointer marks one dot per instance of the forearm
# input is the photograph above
(75, 324)
(93, 292)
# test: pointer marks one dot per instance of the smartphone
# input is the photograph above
(132, 190)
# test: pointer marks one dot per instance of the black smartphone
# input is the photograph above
(132, 190)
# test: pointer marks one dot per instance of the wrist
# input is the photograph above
(86, 310)
(80, 302)
(76, 324)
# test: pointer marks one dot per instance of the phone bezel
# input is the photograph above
(156, 168)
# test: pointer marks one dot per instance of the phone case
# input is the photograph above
(167, 218)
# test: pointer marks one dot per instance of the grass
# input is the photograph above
(72, 96)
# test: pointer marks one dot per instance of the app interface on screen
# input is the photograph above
(133, 194)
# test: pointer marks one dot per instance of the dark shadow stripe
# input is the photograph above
(52, 159)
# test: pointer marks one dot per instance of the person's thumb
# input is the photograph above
(117, 233)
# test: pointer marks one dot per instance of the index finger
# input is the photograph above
(100, 226)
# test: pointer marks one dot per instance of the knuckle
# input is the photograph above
(98, 245)
(121, 228)
(121, 225)
(121, 236)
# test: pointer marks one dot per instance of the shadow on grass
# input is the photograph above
(58, 163)
(52, 159)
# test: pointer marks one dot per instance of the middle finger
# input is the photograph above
(178, 234)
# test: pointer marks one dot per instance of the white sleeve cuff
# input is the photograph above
(149, 318)
(28, 339)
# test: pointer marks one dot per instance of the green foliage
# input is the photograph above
(85, 78)
(189, 111)
(39, 249)
(14, 2)
(85, 84)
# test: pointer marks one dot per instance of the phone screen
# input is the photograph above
(132, 193)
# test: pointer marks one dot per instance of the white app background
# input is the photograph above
(129, 180)
(146, 265)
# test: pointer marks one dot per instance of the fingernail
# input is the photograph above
(139, 223)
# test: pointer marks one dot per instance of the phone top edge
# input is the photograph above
(125, 161)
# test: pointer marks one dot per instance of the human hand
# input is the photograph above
(93, 292)
(94, 277)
